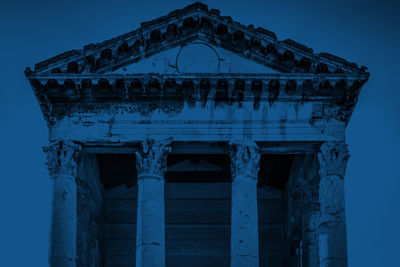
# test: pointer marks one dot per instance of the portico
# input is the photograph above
(151, 165)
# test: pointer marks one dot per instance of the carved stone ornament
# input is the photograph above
(333, 157)
(63, 158)
(245, 159)
(151, 160)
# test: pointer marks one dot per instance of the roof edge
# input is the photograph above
(76, 54)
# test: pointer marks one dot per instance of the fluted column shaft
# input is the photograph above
(332, 241)
(63, 162)
(244, 219)
(150, 238)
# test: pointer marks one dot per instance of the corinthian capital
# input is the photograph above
(63, 157)
(245, 159)
(332, 158)
(151, 159)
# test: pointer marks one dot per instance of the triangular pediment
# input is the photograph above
(154, 43)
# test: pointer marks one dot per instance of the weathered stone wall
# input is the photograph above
(302, 213)
(90, 216)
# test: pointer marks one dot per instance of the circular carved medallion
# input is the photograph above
(197, 57)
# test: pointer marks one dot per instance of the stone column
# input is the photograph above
(310, 231)
(63, 163)
(150, 238)
(332, 242)
(307, 210)
(245, 159)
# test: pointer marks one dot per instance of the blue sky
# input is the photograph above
(365, 32)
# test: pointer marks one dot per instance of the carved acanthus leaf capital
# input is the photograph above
(151, 160)
(245, 159)
(63, 157)
(332, 158)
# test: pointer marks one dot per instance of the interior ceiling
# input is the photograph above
(117, 169)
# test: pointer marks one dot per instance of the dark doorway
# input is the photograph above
(197, 210)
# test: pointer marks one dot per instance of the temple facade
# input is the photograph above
(197, 141)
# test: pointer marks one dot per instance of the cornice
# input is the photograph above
(339, 90)
(99, 87)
